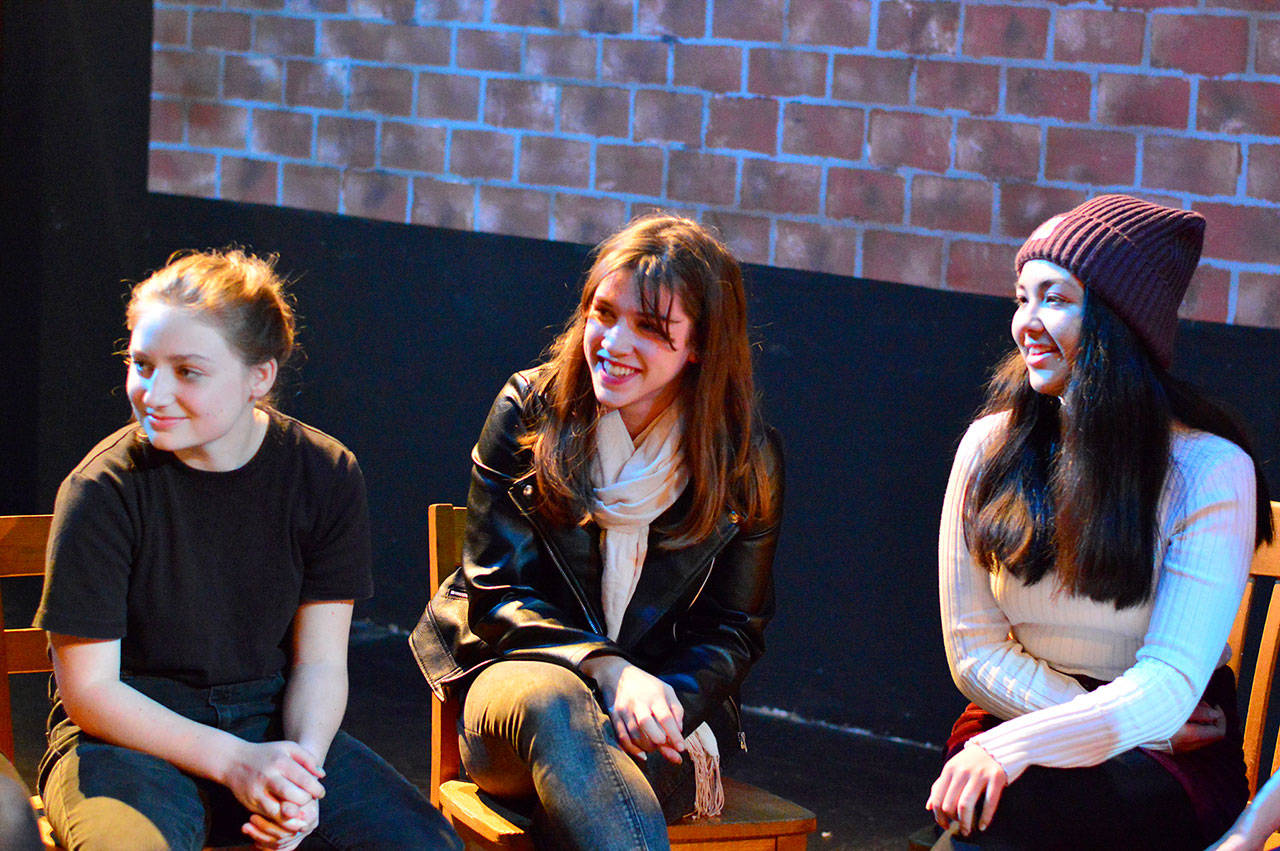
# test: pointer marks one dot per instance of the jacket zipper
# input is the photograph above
(558, 561)
(734, 710)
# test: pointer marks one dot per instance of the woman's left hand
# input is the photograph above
(270, 836)
(968, 777)
(1207, 725)
(645, 711)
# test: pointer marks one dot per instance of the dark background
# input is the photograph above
(410, 331)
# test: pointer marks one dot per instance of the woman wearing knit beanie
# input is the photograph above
(1096, 536)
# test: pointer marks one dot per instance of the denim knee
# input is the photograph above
(537, 726)
(521, 701)
(100, 796)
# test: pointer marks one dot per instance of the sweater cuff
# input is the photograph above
(1010, 759)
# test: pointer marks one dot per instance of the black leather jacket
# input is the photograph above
(529, 589)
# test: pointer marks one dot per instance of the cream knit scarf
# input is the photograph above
(634, 483)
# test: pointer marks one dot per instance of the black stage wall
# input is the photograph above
(410, 331)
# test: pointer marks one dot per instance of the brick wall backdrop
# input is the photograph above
(903, 140)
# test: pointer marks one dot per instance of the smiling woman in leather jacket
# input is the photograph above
(616, 576)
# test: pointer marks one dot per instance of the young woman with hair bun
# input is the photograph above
(201, 572)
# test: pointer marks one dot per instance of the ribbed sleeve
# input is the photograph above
(1168, 648)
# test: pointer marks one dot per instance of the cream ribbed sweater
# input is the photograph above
(1011, 646)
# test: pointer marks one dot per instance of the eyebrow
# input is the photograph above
(133, 353)
(1040, 283)
(667, 319)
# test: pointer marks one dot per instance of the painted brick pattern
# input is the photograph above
(916, 141)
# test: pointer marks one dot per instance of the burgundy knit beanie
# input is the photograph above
(1138, 256)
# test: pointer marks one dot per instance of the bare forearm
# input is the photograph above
(1260, 818)
(261, 775)
(116, 713)
(315, 701)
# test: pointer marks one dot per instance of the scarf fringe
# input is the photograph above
(708, 796)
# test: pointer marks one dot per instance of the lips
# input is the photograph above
(162, 423)
(612, 370)
(1036, 354)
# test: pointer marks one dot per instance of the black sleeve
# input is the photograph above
(88, 562)
(722, 634)
(339, 561)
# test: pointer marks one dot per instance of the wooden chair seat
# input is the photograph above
(749, 813)
(753, 819)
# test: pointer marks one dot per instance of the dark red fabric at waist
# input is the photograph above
(1213, 776)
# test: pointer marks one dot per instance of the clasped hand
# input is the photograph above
(645, 711)
(1207, 724)
(279, 783)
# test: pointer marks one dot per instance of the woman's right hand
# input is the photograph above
(263, 776)
(645, 711)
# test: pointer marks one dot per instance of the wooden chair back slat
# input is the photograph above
(446, 526)
(1266, 561)
(1260, 692)
(1260, 670)
(1239, 627)
(26, 651)
(22, 544)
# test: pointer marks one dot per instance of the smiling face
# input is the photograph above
(1046, 324)
(635, 361)
(192, 392)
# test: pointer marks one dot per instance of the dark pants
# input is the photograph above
(100, 796)
(1135, 800)
(1128, 802)
(536, 728)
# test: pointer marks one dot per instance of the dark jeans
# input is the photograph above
(18, 831)
(536, 728)
(101, 796)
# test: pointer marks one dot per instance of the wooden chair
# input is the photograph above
(1260, 665)
(25, 650)
(753, 819)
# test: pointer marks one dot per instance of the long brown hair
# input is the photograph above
(665, 256)
(1073, 487)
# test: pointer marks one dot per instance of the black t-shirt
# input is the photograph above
(199, 573)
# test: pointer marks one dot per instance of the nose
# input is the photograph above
(617, 338)
(1028, 318)
(157, 389)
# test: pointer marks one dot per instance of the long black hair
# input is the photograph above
(1073, 485)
